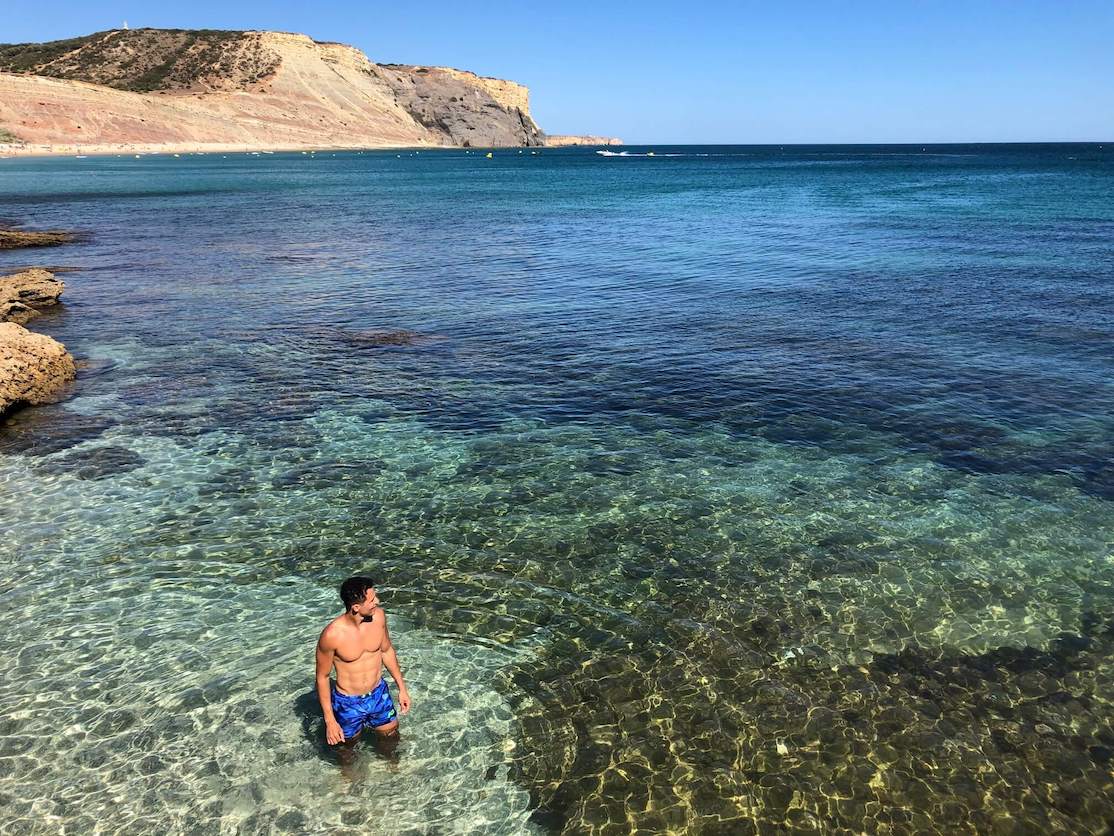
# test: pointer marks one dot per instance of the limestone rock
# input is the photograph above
(16, 312)
(22, 295)
(33, 367)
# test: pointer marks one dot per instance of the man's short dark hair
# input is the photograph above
(354, 590)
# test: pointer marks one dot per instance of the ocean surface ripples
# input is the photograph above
(735, 491)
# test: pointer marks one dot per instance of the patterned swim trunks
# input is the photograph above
(356, 712)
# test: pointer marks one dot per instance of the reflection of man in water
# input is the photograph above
(358, 645)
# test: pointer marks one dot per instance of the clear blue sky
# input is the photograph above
(897, 71)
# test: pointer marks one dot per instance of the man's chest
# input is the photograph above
(367, 639)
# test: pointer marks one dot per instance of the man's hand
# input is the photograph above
(333, 733)
(403, 700)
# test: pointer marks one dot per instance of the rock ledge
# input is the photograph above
(34, 368)
(13, 239)
(22, 295)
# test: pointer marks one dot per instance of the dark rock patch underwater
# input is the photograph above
(1013, 740)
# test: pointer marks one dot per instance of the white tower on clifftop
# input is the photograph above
(125, 25)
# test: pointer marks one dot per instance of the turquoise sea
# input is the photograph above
(725, 490)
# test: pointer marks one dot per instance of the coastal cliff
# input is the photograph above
(157, 89)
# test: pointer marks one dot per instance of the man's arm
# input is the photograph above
(390, 662)
(325, 652)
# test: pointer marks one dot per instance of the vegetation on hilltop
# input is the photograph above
(435, 104)
(144, 60)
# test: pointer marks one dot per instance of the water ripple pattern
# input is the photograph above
(714, 490)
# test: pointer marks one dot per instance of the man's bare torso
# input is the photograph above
(358, 657)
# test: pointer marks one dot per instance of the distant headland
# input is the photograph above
(174, 90)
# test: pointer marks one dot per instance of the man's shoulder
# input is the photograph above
(333, 630)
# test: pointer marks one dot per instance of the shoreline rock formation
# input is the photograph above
(34, 368)
(23, 295)
(566, 140)
(151, 90)
(12, 239)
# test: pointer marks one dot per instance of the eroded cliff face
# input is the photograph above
(263, 89)
(470, 110)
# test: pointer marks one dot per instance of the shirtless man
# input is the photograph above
(358, 645)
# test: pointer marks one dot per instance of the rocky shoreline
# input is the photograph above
(13, 239)
(34, 368)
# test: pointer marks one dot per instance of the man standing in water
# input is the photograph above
(358, 645)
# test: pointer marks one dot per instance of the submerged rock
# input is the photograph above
(96, 463)
(379, 338)
(23, 295)
(12, 239)
(33, 368)
(40, 432)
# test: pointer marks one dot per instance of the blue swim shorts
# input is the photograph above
(356, 712)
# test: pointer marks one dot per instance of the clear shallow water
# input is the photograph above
(768, 488)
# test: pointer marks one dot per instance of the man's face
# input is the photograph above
(368, 606)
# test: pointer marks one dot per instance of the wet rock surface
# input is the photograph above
(13, 239)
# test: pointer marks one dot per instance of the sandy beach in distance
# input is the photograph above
(180, 148)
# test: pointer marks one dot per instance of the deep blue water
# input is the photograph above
(743, 486)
